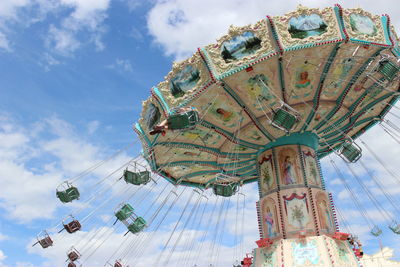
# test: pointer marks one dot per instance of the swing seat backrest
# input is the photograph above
(388, 69)
(124, 212)
(68, 195)
(183, 121)
(73, 226)
(46, 242)
(73, 256)
(71, 264)
(137, 226)
(137, 178)
(225, 190)
(117, 264)
(395, 228)
(284, 119)
(351, 152)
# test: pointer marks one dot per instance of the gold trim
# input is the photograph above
(379, 37)
(260, 30)
(326, 14)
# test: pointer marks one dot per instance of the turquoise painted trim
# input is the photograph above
(143, 135)
(276, 167)
(385, 21)
(340, 22)
(357, 115)
(253, 264)
(352, 108)
(250, 180)
(213, 150)
(241, 103)
(161, 98)
(309, 139)
(209, 62)
(303, 167)
(213, 163)
(250, 63)
(185, 183)
(309, 45)
(343, 129)
(324, 73)
(352, 81)
(282, 79)
(208, 124)
(235, 172)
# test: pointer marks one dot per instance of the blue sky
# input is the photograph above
(73, 74)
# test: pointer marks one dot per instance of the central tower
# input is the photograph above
(295, 211)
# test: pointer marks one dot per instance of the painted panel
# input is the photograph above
(362, 25)
(289, 165)
(267, 172)
(185, 79)
(324, 212)
(310, 165)
(307, 25)
(270, 217)
(239, 46)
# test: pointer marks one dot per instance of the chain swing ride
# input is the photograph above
(263, 104)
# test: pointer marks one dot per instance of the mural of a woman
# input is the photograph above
(327, 215)
(269, 220)
(288, 171)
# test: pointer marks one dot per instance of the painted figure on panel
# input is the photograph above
(270, 218)
(311, 168)
(258, 88)
(324, 213)
(290, 170)
(340, 71)
(325, 216)
(303, 78)
(224, 114)
(222, 110)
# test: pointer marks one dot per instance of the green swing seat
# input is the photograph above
(225, 190)
(137, 178)
(124, 212)
(388, 69)
(395, 227)
(182, 121)
(284, 120)
(351, 152)
(376, 231)
(68, 195)
(137, 226)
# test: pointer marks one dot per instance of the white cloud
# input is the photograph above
(87, 17)
(93, 126)
(181, 26)
(8, 8)
(28, 183)
(4, 43)
(2, 256)
(123, 65)
(80, 22)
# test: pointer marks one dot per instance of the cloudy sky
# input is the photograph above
(73, 74)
